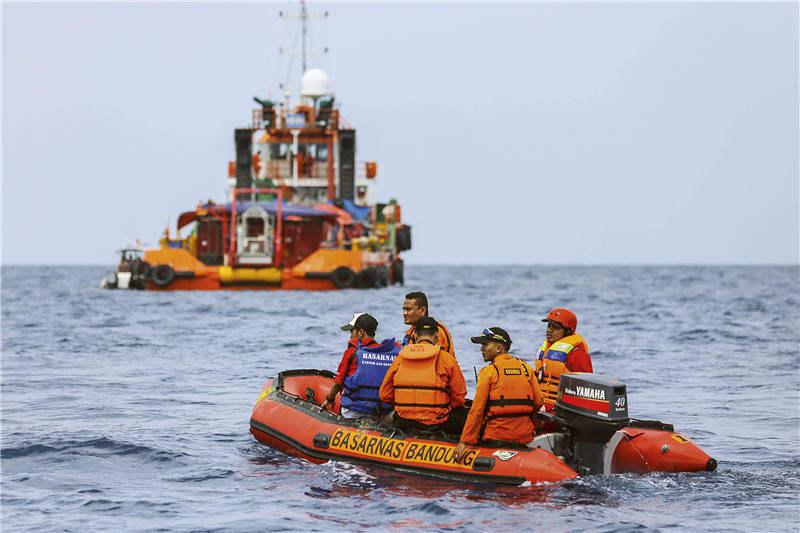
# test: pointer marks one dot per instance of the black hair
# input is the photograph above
(419, 298)
(367, 323)
(371, 333)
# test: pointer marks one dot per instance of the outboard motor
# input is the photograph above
(594, 407)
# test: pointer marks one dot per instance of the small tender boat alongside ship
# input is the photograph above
(593, 435)
(299, 212)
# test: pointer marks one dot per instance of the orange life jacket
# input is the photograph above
(551, 362)
(512, 395)
(419, 392)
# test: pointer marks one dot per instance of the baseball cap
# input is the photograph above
(363, 321)
(426, 323)
(493, 334)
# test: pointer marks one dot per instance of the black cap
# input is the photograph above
(493, 334)
(367, 322)
(426, 323)
(363, 321)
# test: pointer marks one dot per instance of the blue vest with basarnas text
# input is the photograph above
(361, 388)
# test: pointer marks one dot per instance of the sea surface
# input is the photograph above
(129, 410)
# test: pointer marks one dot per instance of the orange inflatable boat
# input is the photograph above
(288, 417)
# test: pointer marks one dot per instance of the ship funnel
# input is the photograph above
(314, 83)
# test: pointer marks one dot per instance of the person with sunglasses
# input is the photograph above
(562, 351)
(506, 398)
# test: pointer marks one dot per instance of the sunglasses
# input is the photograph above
(494, 336)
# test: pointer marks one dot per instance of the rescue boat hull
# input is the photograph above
(288, 417)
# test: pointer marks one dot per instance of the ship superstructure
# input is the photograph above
(300, 211)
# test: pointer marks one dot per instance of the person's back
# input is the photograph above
(513, 398)
(425, 384)
(421, 389)
(360, 389)
(563, 350)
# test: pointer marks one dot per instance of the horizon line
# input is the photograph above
(471, 264)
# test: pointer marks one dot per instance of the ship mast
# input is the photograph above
(304, 20)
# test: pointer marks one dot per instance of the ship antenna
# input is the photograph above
(304, 19)
(304, 35)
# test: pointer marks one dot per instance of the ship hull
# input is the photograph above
(324, 270)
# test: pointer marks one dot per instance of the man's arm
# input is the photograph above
(472, 427)
(344, 364)
(386, 392)
(341, 373)
(538, 399)
(458, 387)
(445, 340)
(578, 360)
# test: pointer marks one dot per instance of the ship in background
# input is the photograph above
(299, 214)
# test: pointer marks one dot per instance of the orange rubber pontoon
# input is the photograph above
(288, 417)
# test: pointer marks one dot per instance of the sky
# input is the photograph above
(526, 133)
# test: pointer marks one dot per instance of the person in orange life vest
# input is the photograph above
(304, 162)
(562, 351)
(426, 385)
(415, 306)
(362, 329)
(506, 398)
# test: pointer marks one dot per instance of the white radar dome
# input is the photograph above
(314, 83)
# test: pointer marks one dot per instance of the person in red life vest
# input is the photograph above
(562, 351)
(425, 385)
(362, 368)
(506, 398)
(415, 306)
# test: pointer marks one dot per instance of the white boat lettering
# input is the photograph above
(378, 356)
(594, 394)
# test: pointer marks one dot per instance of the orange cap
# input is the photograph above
(563, 316)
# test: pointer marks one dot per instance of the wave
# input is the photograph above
(94, 446)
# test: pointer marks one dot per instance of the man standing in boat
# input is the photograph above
(415, 306)
(426, 385)
(562, 351)
(362, 368)
(506, 398)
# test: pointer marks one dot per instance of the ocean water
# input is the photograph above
(129, 410)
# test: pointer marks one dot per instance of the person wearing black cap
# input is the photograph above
(506, 398)
(361, 370)
(425, 385)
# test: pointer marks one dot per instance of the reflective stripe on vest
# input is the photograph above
(360, 390)
(551, 363)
